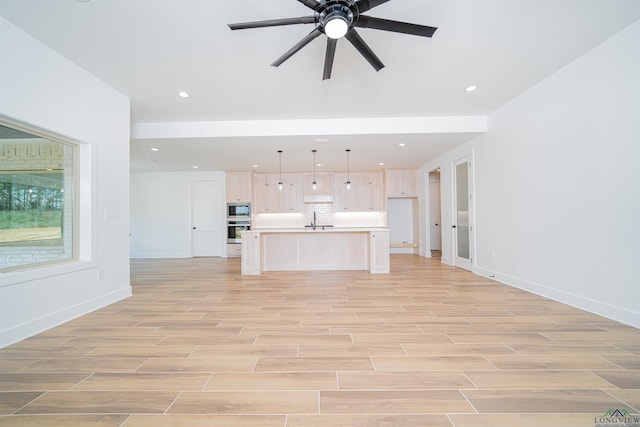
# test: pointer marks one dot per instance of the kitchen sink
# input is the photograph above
(319, 226)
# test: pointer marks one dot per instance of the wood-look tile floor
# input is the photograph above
(428, 345)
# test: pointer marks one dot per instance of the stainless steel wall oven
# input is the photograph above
(235, 230)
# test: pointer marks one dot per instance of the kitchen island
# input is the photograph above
(295, 249)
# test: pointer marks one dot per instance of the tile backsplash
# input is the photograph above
(324, 215)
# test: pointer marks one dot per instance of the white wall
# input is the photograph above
(42, 88)
(161, 212)
(557, 190)
(402, 220)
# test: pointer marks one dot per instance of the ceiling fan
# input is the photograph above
(337, 19)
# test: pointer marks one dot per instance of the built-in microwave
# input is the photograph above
(238, 210)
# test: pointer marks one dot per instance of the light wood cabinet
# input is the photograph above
(367, 178)
(239, 187)
(369, 198)
(270, 199)
(379, 251)
(402, 182)
(369, 187)
(250, 262)
(344, 200)
(335, 249)
(324, 187)
(291, 196)
(266, 194)
(365, 195)
(369, 191)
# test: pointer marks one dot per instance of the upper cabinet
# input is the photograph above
(344, 199)
(239, 187)
(402, 182)
(269, 198)
(266, 198)
(291, 196)
(367, 178)
(364, 195)
(323, 193)
(370, 191)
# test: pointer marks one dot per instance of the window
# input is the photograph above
(37, 198)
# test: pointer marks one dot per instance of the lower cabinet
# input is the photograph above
(315, 250)
(234, 250)
(250, 261)
(379, 245)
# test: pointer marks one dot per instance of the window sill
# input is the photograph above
(41, 272)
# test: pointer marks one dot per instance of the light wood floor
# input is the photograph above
(428, 345)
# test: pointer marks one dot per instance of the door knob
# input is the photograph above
(194, 228)
(453, 226)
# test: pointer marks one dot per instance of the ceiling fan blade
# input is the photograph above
(302, 43)
(328, 58)
(395, 26)
(311, 4)
(364, 49)
(365, 5)
(273, 23)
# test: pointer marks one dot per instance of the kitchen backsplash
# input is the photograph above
(324, 216)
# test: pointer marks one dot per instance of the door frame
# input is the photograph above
(431, 198)
(466, 264)
(220, 250)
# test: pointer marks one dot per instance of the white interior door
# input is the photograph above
(463, 214)
(208, 234)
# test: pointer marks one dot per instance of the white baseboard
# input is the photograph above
(41, 324)
(619, 314)
(160, 255)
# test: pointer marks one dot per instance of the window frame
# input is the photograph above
(83, 229)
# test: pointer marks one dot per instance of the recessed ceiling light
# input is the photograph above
(470, 88)
(183, 94)
(155, 149)
(319, 165)
(195, 167)
(381, 164)
(402, 144)
(255, 166)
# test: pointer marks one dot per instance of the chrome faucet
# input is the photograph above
(313, 223)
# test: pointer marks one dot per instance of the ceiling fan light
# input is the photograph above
(336, 26)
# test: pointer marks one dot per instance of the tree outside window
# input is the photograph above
(36, 199)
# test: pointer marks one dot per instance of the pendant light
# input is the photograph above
(280, 168)
(314, 184)
(348, 180)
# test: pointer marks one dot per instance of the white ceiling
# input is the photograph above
(151, 49)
